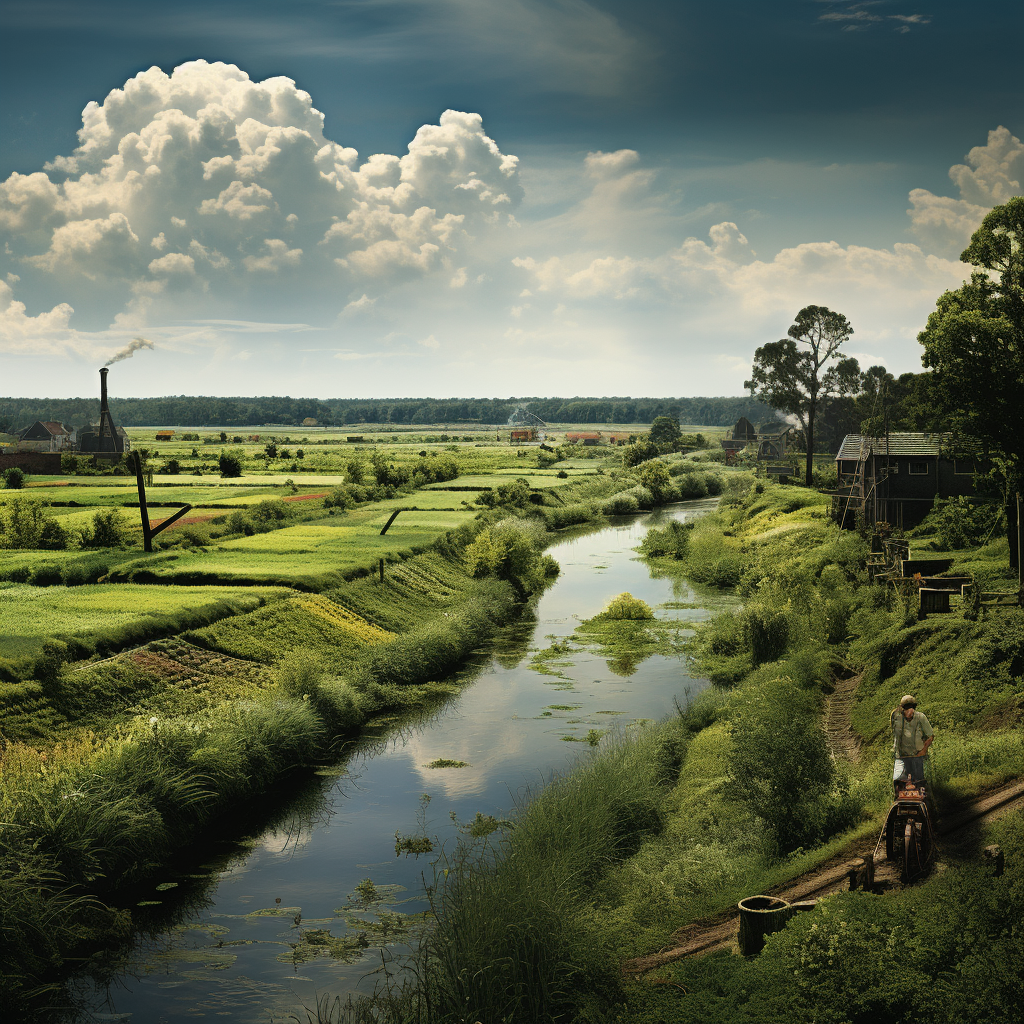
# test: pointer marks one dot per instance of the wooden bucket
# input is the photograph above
(760, 916)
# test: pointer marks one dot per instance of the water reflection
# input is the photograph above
(271, 923)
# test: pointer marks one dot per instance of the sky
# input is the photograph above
(391, 198)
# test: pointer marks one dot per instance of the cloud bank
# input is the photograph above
(200, 200)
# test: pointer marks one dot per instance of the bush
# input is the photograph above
(230, 463)
(508, 550)
(782, 765)
(28, 524)
(621, 504)
(109, 530)
(655, 477)
(514, 494)
(14, 478)
(960, 523)
(639, 451)
(626, 606)
(672, 540)
(172, 467)
(766, 632)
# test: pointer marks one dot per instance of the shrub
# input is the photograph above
(172, 467)
(621, 504)
(960, 523)
(109, 530)
(655, 477)
(782, 765)
(766, 632)
(28, 524)
(639, 451)
(230, 462)
(508, 550)
(14, 478)
(672, 540)
(514, 494)
(626, 606)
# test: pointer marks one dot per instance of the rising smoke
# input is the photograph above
(129, 350)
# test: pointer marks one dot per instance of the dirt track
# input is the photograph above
(719, 932)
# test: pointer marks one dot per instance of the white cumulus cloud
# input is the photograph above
(992, 174)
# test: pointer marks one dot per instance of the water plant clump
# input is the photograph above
(626, 606)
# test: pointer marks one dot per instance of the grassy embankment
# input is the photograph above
(739, 793)
(112, 766)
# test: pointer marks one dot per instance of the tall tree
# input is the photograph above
(799, 374)
(974, 343)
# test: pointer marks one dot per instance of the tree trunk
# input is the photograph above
(1013, 529)
(809, 477)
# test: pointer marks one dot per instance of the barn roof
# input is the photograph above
(858, 446)
(41, 427)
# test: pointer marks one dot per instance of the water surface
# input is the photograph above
(227, 939)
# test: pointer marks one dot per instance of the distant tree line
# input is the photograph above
(196, 411)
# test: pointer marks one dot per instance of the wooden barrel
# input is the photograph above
(760, 916)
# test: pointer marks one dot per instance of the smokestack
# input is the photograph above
(103, 392)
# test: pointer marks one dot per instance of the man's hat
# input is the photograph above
(908, 701)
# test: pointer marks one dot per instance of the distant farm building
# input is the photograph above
(46, 436)
(164, 435)
(584, 437)
(744, 430)
(895, 479)
(522, 434)
(620, 438)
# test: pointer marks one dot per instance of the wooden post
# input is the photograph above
(861, 873)
(993, 857)
(381, 570)
(147, 539)
(149, 532)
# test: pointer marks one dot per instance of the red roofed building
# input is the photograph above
(49, 436)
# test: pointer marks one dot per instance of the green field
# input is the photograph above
(31, 615)
(308, 554)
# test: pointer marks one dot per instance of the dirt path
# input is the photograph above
(719, 932)
(844, 742)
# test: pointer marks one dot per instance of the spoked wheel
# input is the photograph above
(913, 862)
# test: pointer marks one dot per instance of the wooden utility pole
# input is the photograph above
(149, 532)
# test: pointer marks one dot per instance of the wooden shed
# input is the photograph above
(895, 479)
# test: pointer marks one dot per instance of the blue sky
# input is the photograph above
(627, 197)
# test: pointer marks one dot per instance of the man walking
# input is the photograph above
(912, 735)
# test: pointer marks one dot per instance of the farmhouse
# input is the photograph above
(46, 436)
(522, 434)
(585, 437)
(895, 479)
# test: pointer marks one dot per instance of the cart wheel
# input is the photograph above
(911, 854)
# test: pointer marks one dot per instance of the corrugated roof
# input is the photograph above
(858, 446)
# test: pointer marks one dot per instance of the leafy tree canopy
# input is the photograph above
(973, 344)
(973, 340)
(800, 374)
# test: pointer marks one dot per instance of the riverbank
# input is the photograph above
(740, 792)
(129, 760)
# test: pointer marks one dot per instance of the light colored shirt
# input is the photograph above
(908, 737)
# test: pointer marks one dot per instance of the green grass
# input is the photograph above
(308, 623)
(309, 554)
(29, 616)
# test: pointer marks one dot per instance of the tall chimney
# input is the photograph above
(107, 428)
